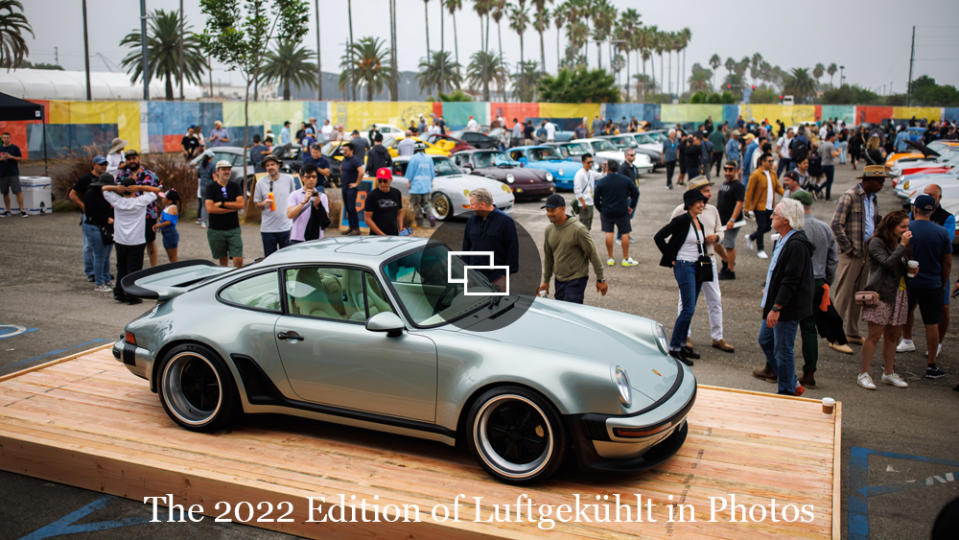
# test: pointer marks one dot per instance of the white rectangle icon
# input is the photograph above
(490, 266)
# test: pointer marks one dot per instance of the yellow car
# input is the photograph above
(442, 148)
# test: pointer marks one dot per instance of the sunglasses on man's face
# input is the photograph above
(384, 181)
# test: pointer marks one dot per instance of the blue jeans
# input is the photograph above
(830, 172)
(273, 241)
(689, 287)
(764, 220)
(349, 205)
(101, 253)
(87, 251)
(777, 344)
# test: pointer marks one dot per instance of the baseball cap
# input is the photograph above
(802, 196)
(99, 160)
(925, 203)
(554, 201)
(224, 164)
(384, 173)
(131, 153)
(732, 163)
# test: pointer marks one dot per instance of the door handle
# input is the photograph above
(289, 335)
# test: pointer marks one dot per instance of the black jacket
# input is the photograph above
(377, 158)
(791, 284)
(676, 230)
(615, 195)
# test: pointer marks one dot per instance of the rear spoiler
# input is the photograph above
(168, 280)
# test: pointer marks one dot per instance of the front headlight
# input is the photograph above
(506, 188)
(549, 177)
(622, 384)
(510, 178)
(661, 338)
(466, 192)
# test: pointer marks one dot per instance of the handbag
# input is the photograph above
(704, 265)
(867, 298)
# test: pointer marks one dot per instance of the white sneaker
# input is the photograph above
(610, 262)
(906, 345)
(762, 254)
(629, 262)
(865, 381)
(895, 380)
(751, 244)
(103, 288)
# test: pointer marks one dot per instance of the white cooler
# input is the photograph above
(37, 195)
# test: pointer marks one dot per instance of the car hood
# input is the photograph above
(558, 168)
(456, 183)
(521, 175)
(594, 335)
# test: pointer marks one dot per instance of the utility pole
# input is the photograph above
(842, 77)
(56, 55)
(912, 57)
(180, 50)
(144, 62)
(86, 51)
(319, 66)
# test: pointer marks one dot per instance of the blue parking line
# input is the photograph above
(23, 363)
(10, 334)
(860, 490)
(66, 524)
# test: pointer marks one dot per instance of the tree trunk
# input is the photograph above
(426, 28)
(669, 58)
(394, 75)
(599, 54)
(168, 87)
(628, 80)
(542, 54)
(442, 47)
(662, 78)
(319, 64)
(456, 40)
(351, 91)
(246, 137)
(286, 89)
(558, 55)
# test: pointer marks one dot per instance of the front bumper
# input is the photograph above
(598, 446)
(137, 359)
(533, 190)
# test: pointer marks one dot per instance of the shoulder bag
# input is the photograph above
(704, 265)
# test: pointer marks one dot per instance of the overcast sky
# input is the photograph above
(870, 37)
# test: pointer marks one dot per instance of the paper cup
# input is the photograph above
(912, 268)
(828, 405)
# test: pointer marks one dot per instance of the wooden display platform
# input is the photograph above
(86, 421)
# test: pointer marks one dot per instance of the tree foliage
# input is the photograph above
(525, 80)
(925, 91)
(290, 64)
(579, 86)
(371, 61)
(13, 25)
(485, 68)
(439, 71)
(163, 51)
(849, 95)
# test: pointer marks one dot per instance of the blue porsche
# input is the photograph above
(547, 158)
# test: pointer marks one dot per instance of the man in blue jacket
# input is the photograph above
(490, 229)
(615, 197)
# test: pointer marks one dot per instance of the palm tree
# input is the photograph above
(370, 58)
(699, 79)
(163, 42)
(498, 11)
(439, 71)
(669, 45)
(603, 15)
(754, 64)
(13, 48)
(482, 9)
(349, 48)
(559, 21)
(525, 80)
(518, 20)
(818, 71)
(426, 27)
(831, 70)
(715, 62)
(453, 6)
(485, 67)
(687, 36)
(541, 24)
(799, 84)
(289, 63)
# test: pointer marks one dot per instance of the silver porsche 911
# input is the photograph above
(372, 332)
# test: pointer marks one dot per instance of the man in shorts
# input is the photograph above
(730, 206)
(223, 200)
(10, 158)
(616, 197)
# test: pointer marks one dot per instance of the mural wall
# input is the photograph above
(158, 126)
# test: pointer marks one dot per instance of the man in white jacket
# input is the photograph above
(129, 229)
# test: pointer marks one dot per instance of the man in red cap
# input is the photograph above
(384, 205)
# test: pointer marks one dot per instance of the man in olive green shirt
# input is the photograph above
(567, 252)
(718, 140)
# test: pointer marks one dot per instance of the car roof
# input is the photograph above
(365, 250)
(529, 147)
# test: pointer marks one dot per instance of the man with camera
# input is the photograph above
(305, 201)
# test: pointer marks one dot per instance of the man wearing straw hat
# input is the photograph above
(855, 220)
(115, 156)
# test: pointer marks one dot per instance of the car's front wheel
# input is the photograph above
(442, 207)
(196, 389)
(516, 434)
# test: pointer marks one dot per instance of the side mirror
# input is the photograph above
(386, 321)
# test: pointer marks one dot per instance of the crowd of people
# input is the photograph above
(821, 279)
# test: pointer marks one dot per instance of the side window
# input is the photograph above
(343, 294)
(259, 292)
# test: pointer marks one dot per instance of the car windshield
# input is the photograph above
(421, 281)
(543, 153)
(491, 159)
(659, 136)
(329, 148)
(445, 167)
(625, 141)
(643, 138)
(602, 145)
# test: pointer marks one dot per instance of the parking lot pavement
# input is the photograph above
(892, 439)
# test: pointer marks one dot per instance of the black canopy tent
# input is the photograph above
(13, 109)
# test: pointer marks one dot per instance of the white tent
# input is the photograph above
(71, 85)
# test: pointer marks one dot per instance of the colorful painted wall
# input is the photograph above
(158, 126)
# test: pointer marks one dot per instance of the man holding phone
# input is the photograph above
(303, 202)
(223, 200)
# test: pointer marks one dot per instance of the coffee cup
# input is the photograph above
(828, 405)
(912, 268)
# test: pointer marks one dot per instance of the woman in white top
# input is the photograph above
(129, 229)
(115, 156)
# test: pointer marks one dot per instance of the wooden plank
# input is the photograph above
(837, 474)
(92, 424)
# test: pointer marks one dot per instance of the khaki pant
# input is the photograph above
(586, 216)
(851, 276)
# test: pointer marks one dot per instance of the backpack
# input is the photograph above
(319, 219)
(815, 164)
(798, 149)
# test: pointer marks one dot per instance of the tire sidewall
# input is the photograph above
(228, 395)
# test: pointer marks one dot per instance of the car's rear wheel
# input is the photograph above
(196, 389)
(516, 434)
(442, 207)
